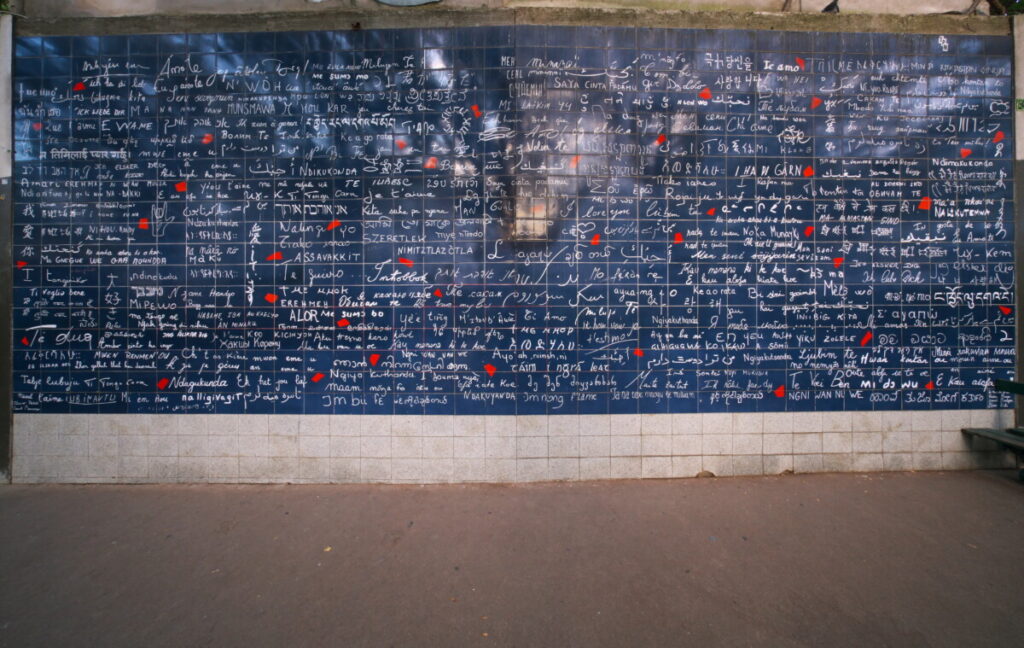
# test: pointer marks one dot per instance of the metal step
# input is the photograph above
(1011, 437)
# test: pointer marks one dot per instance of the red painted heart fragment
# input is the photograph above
(808, 172)
(661, 139)
(476, 111)
(638, 353)
(21, 264)
(678, 238)
(276, 256)
(965, 152)
(490, 369)
(867, 338)
(711, 212)
(181, 186)
(926, 203)
(208, 138)
(400, 144)
(24, 341)
(405, 262)
(438, 293)
(1005, 310)
(930, 385)
(78, 87)
(575, 162)
(37, 126)
(270, 297)
(317, 377)
(838, 261)
(143, 223)
(815, 102)
(431, 163)
(808, 231)
(342, 323)
(374, 359)
(333, 224)
(162, 383)
(802, 63)
(705, 93)
(780, 391)
(999, 137)
(596, 240)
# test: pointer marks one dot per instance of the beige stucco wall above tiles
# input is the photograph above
(431, 449)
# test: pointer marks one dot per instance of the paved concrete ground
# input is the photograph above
(927, 559)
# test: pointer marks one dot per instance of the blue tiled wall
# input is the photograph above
(512, 220)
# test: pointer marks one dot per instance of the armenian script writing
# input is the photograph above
(512, 220)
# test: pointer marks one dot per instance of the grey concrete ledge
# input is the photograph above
(429, 16)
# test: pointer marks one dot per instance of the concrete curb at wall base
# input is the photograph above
(373, 19)
(95, 448)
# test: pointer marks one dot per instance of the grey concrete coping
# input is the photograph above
(429, 16)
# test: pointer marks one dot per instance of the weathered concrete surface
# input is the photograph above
(435, 16)
(107, 8)
(926, 559)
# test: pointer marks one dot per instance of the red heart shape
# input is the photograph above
(270, 297)
(575, 161)
(317, 377)
(802, 63)
(929, 385)
(490, 369)
(999, 136)
(24, 341)
(661, 139)
(374, 359)
(711, 212)
(780, 391)
(965, 152)
(638, 353)
(926, 203)
(78, 87)
(705, 93)
(1006, 310)
(405, 262)
(162, 383)
(808, 231)
(143, 223)
(333, 224)
(476, 111)
(431, 163)
(400, 144)
(678, 238)
(208, 138)
(867, 338)
(596, 240)
(21, 264)
(815, 102)
(437, 293)
(838, 261)
(37, 126)
(342, 323)
(808, 172)
(276, 256)
(181, 186)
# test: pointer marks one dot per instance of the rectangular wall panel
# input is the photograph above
(529, 222)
